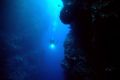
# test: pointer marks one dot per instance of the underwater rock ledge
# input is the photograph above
(90, 47)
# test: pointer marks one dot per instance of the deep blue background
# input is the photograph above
(29, 27)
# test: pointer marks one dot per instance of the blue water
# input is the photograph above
(32, 27)
(54, 52)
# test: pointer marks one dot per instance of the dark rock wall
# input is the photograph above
(92, 46)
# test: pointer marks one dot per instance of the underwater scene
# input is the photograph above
(59, 40)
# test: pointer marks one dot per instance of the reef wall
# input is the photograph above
(92, 45)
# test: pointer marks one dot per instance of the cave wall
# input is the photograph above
(92, 46)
